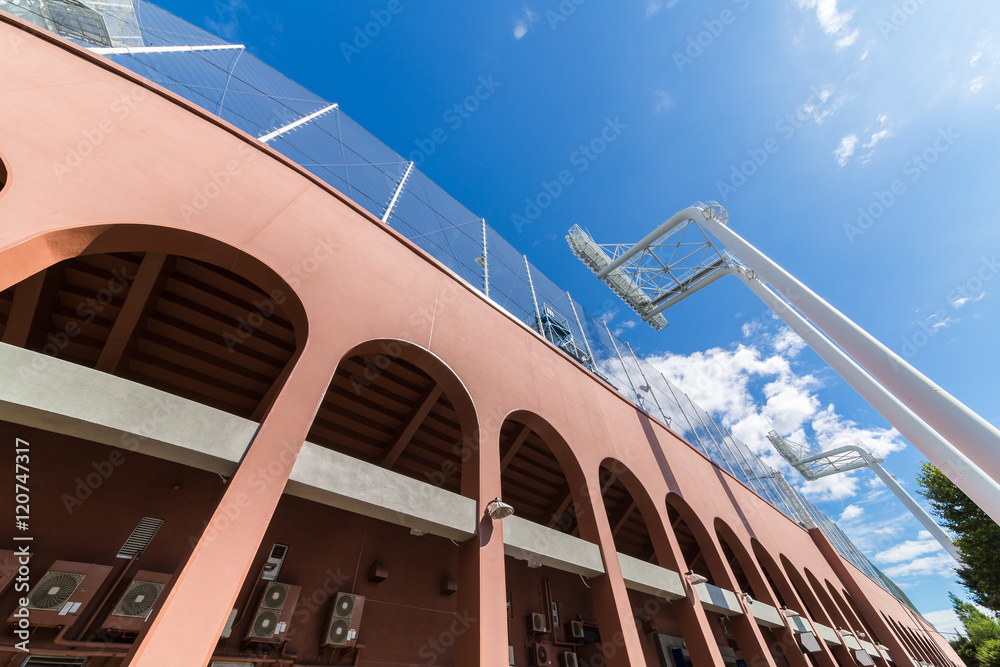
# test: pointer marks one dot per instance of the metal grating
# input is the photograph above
(140, 537)
(54, 661)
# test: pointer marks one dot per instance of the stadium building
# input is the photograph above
(269, 396)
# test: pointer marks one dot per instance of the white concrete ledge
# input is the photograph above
(884, 652)
(530, 541)
(766, 615)
(651, 579)
(54, 395)
(718, 600)
(331, 478)
(828, 634)
(799, 624)
(851, 642)
(870, 649)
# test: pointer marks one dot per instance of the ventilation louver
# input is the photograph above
(140, 537)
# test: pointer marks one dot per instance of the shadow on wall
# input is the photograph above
(3, 175)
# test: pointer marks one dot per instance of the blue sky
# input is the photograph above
(884, 116)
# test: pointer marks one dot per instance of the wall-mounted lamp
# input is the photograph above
(789, 613)
(416, 532)
(534, 564)
(498, 509)
(862, 635)
(694, 578)
(747, 598)
(646, 388)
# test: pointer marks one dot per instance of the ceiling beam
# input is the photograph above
(411, 424)
(24, 309)
(515, 445)
(567, 498)
(149, 280)
(622, 519)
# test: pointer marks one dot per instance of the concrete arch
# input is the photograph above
(647, 508)
(834, 611)
(759, 588)
(4, 175)
(717, 569)
(28, 257)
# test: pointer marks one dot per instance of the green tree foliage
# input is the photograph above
(977, 536)
(981, 646)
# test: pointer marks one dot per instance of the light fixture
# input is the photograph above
(747, 598)
(534, 565)
(416, 532)
(694, 578)
(645, 388)
(498, 509)
(862, 635)
(789, 613)
(845, 632)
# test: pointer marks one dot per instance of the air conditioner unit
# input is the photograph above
(274, 614)
(63, 592)
(135, 606)
(569, 660)
(576, 630)
(536, 623)
(540, 655)
(345, 621)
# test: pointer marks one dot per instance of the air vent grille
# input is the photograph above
(265, 625)
(54, 661)
(274, 596)
(54, 590)
(140, 537)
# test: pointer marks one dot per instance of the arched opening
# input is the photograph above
(834, 611)
(750, 579)
(719, 592)
(851, 620)
(130, 472)
(375, 527)
(904, 637)
(862, 622)
(551, 608)
(3, 175)
(176, 323)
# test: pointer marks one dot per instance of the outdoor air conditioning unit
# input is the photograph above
(274, 614)
(345, 621)
(540, 655)
(136, 605)
(63, 592)
(576, 630)
(536, 623)
(569, 659)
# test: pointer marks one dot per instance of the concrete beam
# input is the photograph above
(533, 542)
(766, 615)
(54, 395)
(828, 634)
(331, 478)
(719, 600)
(651, 579)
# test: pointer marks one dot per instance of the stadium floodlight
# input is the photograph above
(843, 458)
(695, 247)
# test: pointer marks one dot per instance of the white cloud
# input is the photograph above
(960, 301)
(851, 512)
(976, 85)
(653, 7)
(845, 150)
(946, 621)
(909, 550)
(938, 565)
(525, 22)
(664, 100)
(832, 20)
(921, 557)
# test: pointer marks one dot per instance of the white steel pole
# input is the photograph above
(971, 434)
(983, 490)
(894, 486)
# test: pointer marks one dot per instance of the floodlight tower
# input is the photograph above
(852, 456)
(695, 247)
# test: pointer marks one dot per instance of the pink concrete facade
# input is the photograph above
(99, 161)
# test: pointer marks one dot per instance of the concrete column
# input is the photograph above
(871, 616)
(619, 635)
(482, 582)
(192, 618)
